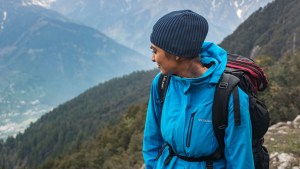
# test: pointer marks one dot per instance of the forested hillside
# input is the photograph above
(272, 37)
(272, 31)
(282, 95)
(102, 128)
(67, 126)
(45, 60)
(116, 147)
(119, 146)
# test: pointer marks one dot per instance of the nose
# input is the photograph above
(153, 58)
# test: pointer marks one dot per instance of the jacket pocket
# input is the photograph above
(190, 129)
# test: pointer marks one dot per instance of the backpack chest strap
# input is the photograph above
(218, 154)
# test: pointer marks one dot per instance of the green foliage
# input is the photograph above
(117, 146)
(286, 143)
(271, 36)
(68, 126)
(91, 131)
(273, 29)
(282, 96)
(283, 139)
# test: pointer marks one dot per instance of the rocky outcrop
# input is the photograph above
(283, 142)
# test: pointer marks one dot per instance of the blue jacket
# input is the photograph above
(186, 121)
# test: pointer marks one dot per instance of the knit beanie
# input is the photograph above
(180, 33)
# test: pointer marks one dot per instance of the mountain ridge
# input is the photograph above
(272, 31)
(46, 59)
(78, 120)
(132, 20)
(93, 130)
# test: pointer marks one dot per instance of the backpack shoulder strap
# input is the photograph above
(227, 85)
(163, 84)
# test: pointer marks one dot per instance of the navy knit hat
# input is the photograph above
(180, 33)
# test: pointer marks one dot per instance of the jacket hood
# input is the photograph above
(212, 53)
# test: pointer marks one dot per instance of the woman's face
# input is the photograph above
(166, 63)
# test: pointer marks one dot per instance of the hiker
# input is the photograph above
(178, 130)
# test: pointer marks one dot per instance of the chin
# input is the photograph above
(164, 72)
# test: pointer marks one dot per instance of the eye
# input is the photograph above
(154, 51)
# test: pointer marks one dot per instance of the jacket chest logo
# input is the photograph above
(204, 120)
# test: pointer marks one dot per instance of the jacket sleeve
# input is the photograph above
(152, 141)
(238, 139)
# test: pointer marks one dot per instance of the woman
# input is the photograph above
(182, 129)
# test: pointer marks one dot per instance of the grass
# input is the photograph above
(285, 139)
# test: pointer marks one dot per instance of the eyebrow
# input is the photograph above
(152, 47)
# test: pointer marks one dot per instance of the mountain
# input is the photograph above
(103, 126)
(125, 148)
(71, 124)
(272, 31)
(130, 21)
(270, 36)
(41, 49)
(45, 60)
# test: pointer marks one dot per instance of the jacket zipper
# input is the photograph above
(189, 132)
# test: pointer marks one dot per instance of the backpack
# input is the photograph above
(243, 72)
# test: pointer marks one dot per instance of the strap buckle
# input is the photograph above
(223, 85)
(209, 164)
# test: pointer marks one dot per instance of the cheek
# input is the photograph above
(158, 59)
(169, 66)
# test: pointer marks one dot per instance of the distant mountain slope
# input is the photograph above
(272, 37)
(46, 59)
(71, 124)
(130, 21)
(118, 146)
(124, 150)
(86, 131)
(273, 31)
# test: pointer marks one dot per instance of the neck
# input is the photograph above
(191, 68)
